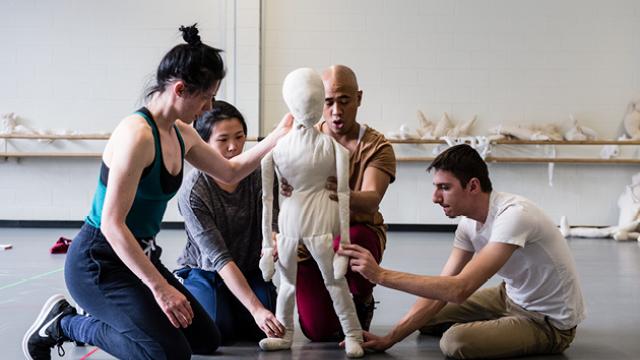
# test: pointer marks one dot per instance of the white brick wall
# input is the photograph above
(506, 61)
(82, 65)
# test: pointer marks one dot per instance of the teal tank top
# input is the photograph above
(156, 187)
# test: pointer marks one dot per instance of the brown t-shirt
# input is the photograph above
(373, 150)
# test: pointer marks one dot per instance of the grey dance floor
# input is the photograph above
(610, 275)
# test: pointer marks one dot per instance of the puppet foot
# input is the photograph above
(353, 348)
(273, 344)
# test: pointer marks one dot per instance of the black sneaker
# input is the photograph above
(45, 331)
(364, 310)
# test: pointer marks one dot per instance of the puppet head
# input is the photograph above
(303, 92)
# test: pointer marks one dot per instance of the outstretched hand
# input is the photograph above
(361, 261)
(268, 323)
(373, 342)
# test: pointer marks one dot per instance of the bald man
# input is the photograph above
(372, 168)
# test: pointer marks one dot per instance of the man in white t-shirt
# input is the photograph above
(537, 307)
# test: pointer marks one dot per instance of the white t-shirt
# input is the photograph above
(541, 275)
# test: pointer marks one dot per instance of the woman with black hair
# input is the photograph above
(219, 264)
(138, 309)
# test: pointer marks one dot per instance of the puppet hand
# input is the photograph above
(340, 266)
(267, 265)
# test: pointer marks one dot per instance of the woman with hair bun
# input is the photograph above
(219, 264)
(139, 310)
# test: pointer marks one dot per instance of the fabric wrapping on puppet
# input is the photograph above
(341, 263)
(267, 265)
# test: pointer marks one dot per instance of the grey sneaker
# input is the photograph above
(45, 333)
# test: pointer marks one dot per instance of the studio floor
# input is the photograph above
(609, 271)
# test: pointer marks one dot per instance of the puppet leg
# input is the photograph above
(321, 249)
(287, 268)
(586, 232)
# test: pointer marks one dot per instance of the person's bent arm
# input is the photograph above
(423, 309)
(133, 149)
(367, 200)
(462, 275)
(239, 287)
(202, 156)
(456, 288)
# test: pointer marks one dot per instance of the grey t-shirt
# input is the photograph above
(222, 226)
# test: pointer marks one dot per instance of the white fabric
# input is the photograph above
(306, 157)
(628, 219)
(540, 276)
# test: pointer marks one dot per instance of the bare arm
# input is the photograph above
(424, 309)
(461, 276)
(203, 157)
(131, 149)
(451, 288)
(238, 285)
(374, 185)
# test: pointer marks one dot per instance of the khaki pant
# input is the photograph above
(489, 325)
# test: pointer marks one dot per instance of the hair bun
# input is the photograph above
(190, 34)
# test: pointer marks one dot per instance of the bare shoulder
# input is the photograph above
(133, 135)
(133, 128)
(189, 134)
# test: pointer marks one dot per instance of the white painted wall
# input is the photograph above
(82, 65)
(509, 62)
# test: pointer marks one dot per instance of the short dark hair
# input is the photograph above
(197, 64)
(221, 110)
(464, 163)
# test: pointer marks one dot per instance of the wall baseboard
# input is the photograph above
(76, 224)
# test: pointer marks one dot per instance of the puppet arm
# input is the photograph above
(340, 262)
(267, 265)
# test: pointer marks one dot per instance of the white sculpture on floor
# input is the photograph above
(306, 157)
(628, 227)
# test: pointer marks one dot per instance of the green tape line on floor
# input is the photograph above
(30, 278)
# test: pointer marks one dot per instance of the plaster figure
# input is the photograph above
(579, 133)
(628, 227)
(306, 157)
(527, 132)
(632, 120)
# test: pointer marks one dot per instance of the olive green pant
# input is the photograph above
(489, 325)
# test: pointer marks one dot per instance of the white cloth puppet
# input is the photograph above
(306, 157)
(628, 227)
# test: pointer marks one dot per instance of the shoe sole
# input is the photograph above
(46, 308)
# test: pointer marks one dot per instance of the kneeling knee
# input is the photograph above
(455, 344)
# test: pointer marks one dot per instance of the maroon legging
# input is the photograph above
(318, 320)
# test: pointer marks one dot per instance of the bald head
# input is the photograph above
(342, 98)
(340, 78)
